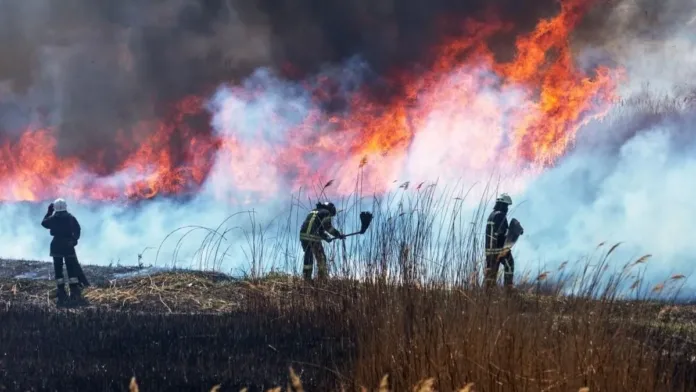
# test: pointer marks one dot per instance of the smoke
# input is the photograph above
(640, 196)
(96, 70)
(628, 178)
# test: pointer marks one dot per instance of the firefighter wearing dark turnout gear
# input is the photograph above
(314, 229)
(496, 230)
(66, 232)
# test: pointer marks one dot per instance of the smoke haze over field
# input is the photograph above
(104, 76)
(629, 179)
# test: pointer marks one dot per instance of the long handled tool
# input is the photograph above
(365, 220)
(81, 276)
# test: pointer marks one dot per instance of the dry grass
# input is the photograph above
(425, 385)
(426, 337)
(170, 292)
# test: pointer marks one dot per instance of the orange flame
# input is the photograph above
(31, 170)
(468, 112)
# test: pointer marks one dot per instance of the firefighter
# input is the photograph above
(66, 231)
(314, 229)
(496, 231)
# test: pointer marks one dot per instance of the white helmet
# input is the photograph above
(60, 205)
(504, 198)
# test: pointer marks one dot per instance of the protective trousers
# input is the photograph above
(493, 262)
(314, 250)
(71, 264)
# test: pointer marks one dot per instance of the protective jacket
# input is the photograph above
(496, 229)
(316, 225)
(65, 230)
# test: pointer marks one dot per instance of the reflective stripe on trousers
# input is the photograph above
(67, 280)
(496, 251)
(493, 263)
(314, 250)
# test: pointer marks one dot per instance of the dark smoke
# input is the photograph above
(92, 68)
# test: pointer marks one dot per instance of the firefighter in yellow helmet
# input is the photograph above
(314, 229)
(496, 232)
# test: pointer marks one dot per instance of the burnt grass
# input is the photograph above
(96, 350)
(164, 340)
(190, 331)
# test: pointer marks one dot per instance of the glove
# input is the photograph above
(329, 240)
(50, 208)
(341, 236)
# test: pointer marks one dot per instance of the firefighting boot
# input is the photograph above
(76, 295)
(62, 296)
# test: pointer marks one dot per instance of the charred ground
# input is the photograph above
(188, 330)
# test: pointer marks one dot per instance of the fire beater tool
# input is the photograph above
(365, 220)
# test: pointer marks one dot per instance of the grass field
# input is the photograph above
(192, 331)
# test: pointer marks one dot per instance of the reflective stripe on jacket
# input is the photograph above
(496, 229)
(314, 226)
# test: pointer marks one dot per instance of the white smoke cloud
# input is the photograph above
(254, 118)
(629, 178)
(640, 197)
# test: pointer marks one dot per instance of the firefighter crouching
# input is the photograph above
(314, 229)
(66, 231)
(496, 254)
